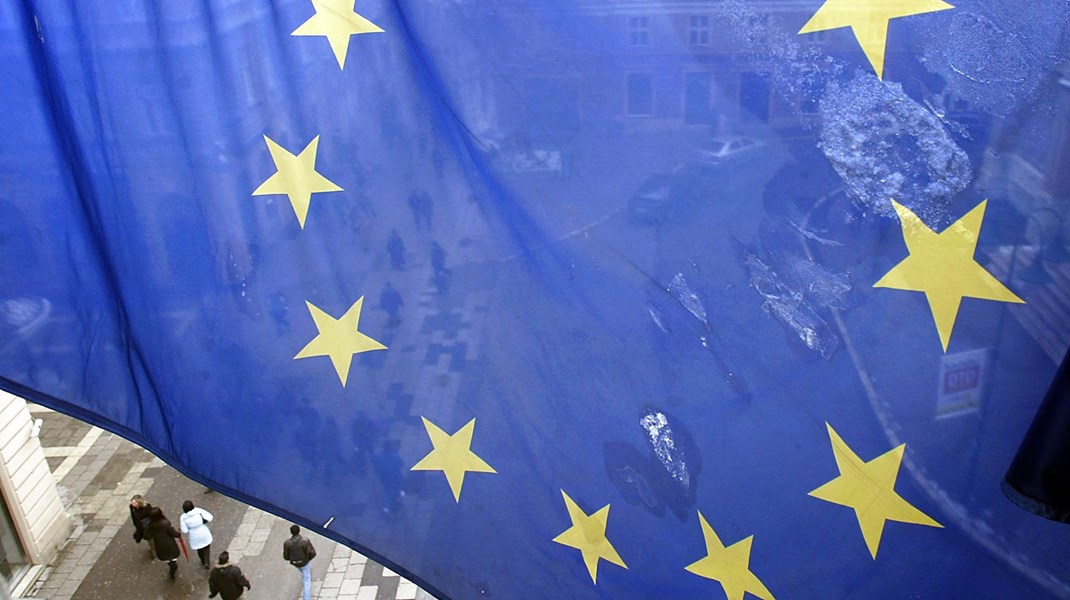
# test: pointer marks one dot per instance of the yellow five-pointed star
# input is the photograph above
(942, 266)
(730, 566)
(452, 455)
(338, 338)
(588, 535)
(336, 20)
(868, 19)
(296, 177)
(869, 488)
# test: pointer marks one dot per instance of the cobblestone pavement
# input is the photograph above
(98, 472)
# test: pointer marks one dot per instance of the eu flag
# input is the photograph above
(560, 299)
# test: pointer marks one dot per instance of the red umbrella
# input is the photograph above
(182, 543)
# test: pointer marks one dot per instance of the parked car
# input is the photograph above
(720, 151)
(652, 199)
(661, 197)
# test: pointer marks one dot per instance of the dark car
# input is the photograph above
(662, 197)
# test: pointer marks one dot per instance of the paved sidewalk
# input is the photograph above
(97, 474)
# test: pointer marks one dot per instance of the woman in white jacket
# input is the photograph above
(194, 524)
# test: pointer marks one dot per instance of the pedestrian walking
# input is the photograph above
(395, 247)
(420, 204)
(390, 301)
(163, 534)
(441, 276)
(227, 580)
(425, 209)
(139, 514)
(438, 258)
(299, 551)
(194, 524)
(388, 466)
(279, 312)
(414, 206)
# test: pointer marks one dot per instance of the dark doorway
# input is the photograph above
(697, 97)
(754, 95)
(640, 94)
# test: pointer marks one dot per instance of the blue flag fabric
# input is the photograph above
(549, 299)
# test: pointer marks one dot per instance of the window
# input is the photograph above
(640, 94)
(12, 559)
(638, 31)
(700, 30)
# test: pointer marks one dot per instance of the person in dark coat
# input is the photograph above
(395, 247)
(438, 259)
(227, 580)
(139, 514)
(420, 204)
(390, 301)
(163, 534)
(441, 275)
(388, 466)
(299, 552)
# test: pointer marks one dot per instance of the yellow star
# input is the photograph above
(868, 20)
(452, 455)
(338, 338)
(296, 177)
(588, 535)
(730, 566)
(869, 488)
(336, 20)
(942, 266)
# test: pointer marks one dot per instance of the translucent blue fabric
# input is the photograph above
(443, 279)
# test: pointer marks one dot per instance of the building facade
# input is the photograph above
(33, 522)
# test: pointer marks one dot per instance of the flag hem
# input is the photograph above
(130, 435)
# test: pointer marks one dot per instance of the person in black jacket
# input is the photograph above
(227, 580)
(139, 514)
(299, 552)
(163, 534)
